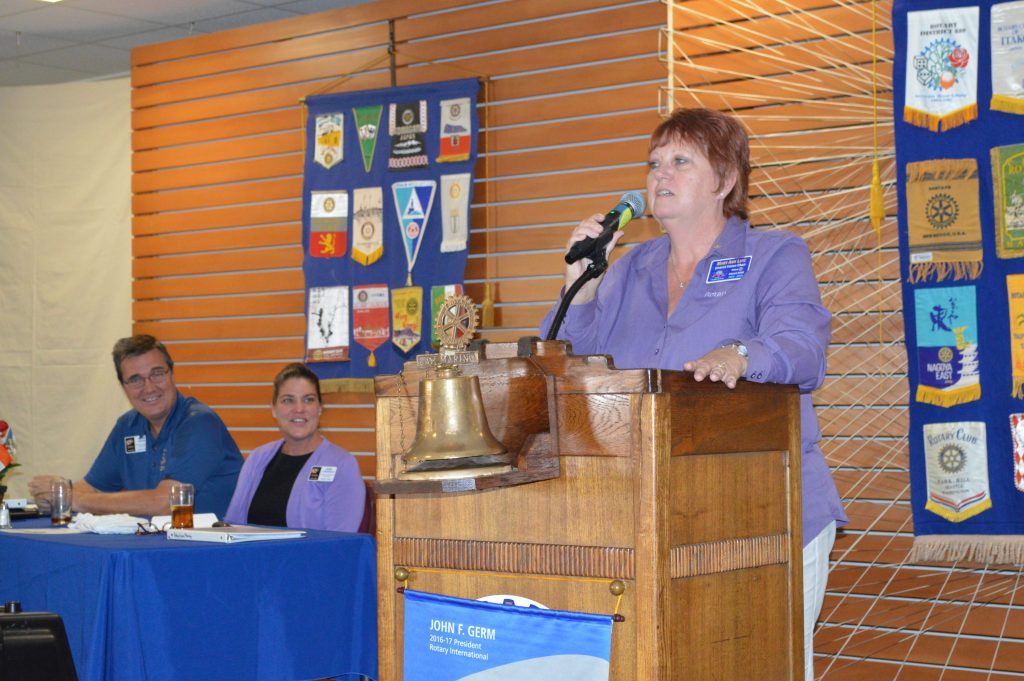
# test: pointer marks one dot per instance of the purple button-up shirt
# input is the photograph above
(770, 303)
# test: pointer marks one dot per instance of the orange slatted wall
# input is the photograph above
(573, 90)
(217, 166)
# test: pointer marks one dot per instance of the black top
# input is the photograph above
(270, 501)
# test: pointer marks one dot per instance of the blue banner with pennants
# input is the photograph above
(448, 638)
(387, 191)
(958, 100)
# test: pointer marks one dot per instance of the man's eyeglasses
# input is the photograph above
(150, 528)
(157, 376)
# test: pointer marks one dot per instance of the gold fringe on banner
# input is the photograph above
(933, 122)
(954, 548)
(948, 398)
(1018, 387)
(1013, 105)
(943, 271)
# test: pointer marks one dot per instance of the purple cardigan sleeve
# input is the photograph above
(248, 479)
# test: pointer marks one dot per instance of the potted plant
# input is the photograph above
(7, 451)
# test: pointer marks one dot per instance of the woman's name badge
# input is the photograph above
(727, 269)
(134, 444)
(322, 473)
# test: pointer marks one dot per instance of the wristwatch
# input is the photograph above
(740, 348)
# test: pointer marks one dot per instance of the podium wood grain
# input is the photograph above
(687, 492)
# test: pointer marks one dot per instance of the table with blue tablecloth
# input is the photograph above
(148, 608)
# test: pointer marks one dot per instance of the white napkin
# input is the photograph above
(115, 523)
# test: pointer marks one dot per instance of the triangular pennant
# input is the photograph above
(367, 126)
(413, 202)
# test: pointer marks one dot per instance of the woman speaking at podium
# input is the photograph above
(300, 480)
(715, 297)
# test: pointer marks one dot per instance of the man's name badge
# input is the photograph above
(322, 473)
(134, 444)
(728, 269)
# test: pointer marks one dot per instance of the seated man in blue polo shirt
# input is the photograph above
(166, 437)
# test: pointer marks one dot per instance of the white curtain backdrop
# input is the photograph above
(65, 268)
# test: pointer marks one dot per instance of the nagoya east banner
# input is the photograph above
(387, 191)
(447, 639)
(961, 240)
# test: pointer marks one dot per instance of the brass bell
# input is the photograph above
(453, 439)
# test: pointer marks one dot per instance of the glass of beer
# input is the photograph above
(60, 501)
(182, 501)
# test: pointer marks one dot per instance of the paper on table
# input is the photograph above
(235, 533)
(44, 530)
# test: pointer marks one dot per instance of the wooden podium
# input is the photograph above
(687, 493)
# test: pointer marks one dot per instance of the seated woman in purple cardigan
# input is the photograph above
(301, 480)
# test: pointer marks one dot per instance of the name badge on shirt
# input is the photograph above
(727, 269)
(135, 444)
(322, 473)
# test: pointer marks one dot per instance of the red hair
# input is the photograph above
(722, 140)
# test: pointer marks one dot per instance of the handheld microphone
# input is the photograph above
(631, 205)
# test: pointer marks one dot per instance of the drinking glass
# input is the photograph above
(182, 502)
(60, 501)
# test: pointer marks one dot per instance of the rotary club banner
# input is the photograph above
(456, 130)
(956, 457)
(328, 224)
(942, 68)
(327, 324)
(1017, 429)
(368, 225)
(455, 212)
(447, 639)
(370, 325)
(407, 317)
(1007, 37)
(1008, 193)
(947, 346)
(407, 125)
(943, 220)
(394, 234)
(943, 368)
(1015, 294)
(329, 129)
